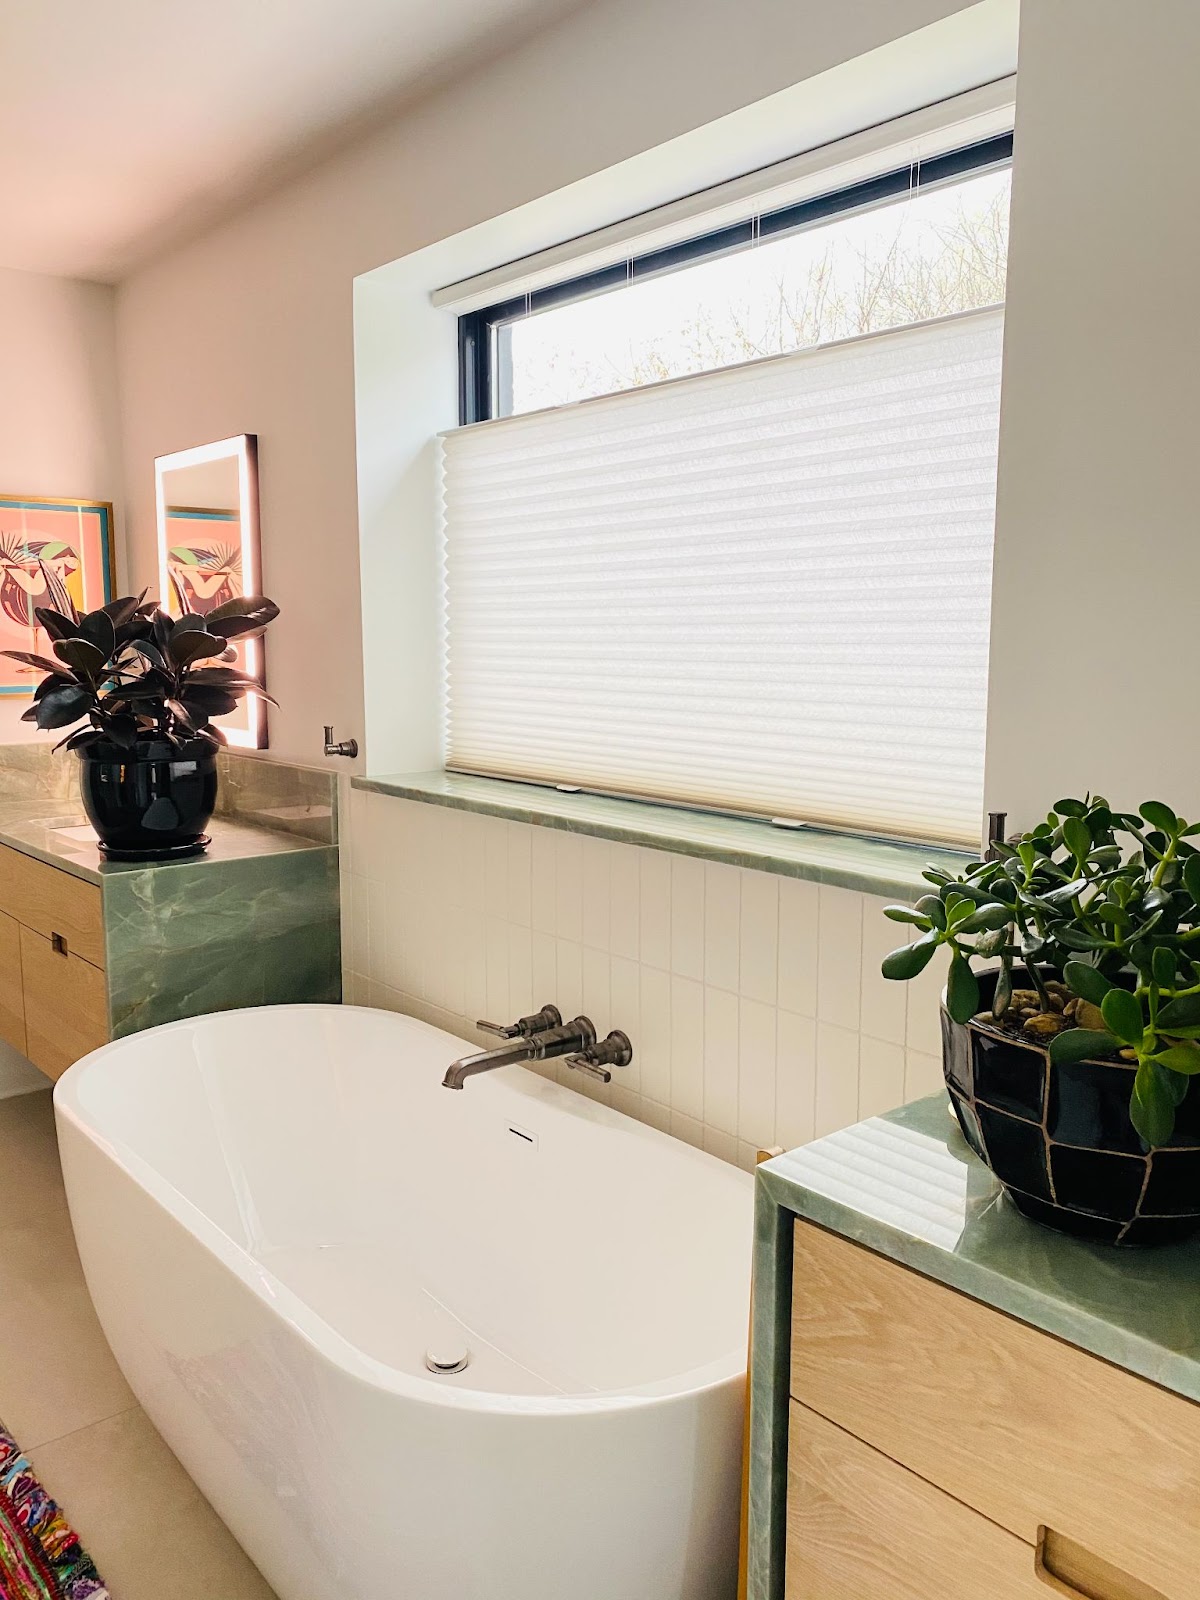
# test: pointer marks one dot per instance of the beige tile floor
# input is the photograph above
(150, 1531)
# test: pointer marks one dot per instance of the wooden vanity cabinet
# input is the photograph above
(12, 1002)
(53, 993)
(939, 1449)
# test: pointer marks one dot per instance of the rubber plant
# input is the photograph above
(1101, 909)
(136, 673)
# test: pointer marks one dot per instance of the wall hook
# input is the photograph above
(344, 747)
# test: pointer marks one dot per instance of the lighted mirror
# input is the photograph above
(208, 552)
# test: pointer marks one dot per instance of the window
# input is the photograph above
(751, 571)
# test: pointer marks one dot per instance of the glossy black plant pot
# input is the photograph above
(151, 803)
(1060, 1140)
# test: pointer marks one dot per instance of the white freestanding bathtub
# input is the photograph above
(281, 1212)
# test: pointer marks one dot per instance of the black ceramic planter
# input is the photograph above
(150, 803)
(1060, 1140)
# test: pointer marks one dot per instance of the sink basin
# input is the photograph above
(80, 832)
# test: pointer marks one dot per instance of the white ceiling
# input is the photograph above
(125, 123)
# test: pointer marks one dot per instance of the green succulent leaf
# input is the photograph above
(1163, 964)
(1077, 837)
(991, 944)
(1062, 896)
(1122, 1015)
(906, 914)
(931, 906)
(1151, 1106)
(1081, 1044)
(1159, 816)
(1003, 994)
(910, 959)
(962, 989)
(1183, 1058)
(986, 919)
(1084, 980)
(1074, 939)
(1191, 878)
(1181, 1013)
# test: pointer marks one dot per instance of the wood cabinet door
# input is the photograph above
(12, 1005)
(860, 1527)
(51, 901)
(66, 1005)
(1026, 1429)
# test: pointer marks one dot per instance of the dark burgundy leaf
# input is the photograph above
(40, 662)
(62, 706)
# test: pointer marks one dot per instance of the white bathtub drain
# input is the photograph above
(447, 1356)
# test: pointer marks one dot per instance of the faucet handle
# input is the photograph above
(524, 1027)
(595, 1059)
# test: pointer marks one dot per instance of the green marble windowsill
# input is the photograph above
(847, 861)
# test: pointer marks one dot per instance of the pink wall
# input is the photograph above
(58, 413)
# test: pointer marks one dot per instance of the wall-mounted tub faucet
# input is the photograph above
(524, 1027)
(594, 1060)
(560, 1039)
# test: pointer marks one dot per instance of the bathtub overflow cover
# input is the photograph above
(449, 1355)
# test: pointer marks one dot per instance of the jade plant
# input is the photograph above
(1097, 912)
(134, 672)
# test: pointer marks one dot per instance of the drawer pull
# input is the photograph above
(1071, 1570)
(58, 944)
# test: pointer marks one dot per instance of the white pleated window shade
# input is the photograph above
(763, 590)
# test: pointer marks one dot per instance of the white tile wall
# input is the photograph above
(754, 1002)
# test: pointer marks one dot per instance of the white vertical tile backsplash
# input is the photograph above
(839, 957)
(722, 925)
(758, 965)
(754, 1002)
(654, 888)
(687, 917)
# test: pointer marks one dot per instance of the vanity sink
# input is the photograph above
(77, 832)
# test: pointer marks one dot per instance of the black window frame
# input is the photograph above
(480, 378)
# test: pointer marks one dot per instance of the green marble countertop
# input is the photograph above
(57, 832)
(906, 1186)
(847, 861)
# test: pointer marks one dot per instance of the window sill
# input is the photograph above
(847, 861)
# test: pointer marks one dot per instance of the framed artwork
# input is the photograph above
(74, 538)
(208, 552)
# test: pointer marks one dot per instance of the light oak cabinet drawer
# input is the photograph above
(66, 1005)
(52, 902)
(12, 1006)
(1023, 1428)
(859, 1527)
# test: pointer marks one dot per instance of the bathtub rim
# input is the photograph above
(319, 1334)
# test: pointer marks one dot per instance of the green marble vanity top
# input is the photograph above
(62, 837)
(264, 809)
(907, 1186)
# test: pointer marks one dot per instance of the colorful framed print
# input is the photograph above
(72, 538)
(208, 552)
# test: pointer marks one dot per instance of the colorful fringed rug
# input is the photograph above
(40, 1556)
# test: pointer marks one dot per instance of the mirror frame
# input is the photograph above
(243, 448)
